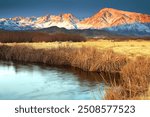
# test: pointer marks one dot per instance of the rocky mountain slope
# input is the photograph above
(67, 21)
(109, 19)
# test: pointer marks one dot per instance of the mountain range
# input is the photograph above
(108, 19)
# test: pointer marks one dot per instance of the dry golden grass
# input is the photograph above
(135, 79)
(145, 96)
(131, 48)
(130, 58)
(85, 58)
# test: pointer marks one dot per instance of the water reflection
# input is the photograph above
(30, 81)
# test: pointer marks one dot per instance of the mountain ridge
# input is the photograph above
(109, 19)
(106, 17)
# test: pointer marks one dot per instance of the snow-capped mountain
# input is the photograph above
(67, 21)
(8, 24)
(107, 18)
(134, 29)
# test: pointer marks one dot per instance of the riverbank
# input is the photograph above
(134, 73)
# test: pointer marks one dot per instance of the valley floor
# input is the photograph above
(131, 48)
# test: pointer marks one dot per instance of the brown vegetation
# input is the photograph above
(88, 59)
(135, 77)
(18, 37)
(134, 74)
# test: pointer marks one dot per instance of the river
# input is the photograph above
(41, 82)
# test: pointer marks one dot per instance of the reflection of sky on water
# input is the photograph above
(42, 82)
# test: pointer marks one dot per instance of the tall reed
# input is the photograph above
(135, 79)
(134, 74)
(85, 58)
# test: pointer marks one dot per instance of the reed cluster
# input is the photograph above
(85, 58)
(134, 74)
(135, 79)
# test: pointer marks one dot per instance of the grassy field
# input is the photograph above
(131, 48)
(130, 58)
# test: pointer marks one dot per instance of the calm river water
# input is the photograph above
(39, 82)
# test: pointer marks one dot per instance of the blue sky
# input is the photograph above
(80, 8)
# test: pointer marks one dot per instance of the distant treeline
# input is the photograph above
(18, 37)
